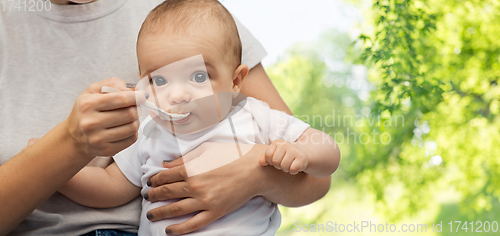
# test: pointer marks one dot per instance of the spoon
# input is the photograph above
(149, 105)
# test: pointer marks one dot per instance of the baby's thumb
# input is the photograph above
(262, 161)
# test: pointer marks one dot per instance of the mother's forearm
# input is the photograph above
(291, 190)
(34, 174)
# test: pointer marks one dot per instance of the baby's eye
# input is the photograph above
(159, 80)
(200, 77)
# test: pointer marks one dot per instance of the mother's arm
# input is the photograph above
(91, 129)
(282, 188)
(219, 192)
(258, 85)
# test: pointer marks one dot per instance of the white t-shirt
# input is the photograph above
(46, 60)
(253, 123)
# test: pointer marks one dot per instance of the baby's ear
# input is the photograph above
(239, 75)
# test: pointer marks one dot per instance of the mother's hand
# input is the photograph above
(214, 193)
(104, 124)
(99, 124)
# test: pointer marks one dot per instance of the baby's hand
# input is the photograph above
(285, 156)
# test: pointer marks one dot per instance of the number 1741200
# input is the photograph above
(473, 226)
(25, 5)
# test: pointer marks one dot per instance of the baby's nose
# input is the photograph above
(178, 96)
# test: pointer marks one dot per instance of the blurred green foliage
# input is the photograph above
(444, 58)
(433, 69)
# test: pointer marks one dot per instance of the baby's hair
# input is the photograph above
(187, 17)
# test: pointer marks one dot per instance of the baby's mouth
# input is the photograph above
(164, 115)
(183, 120)
(178, 116)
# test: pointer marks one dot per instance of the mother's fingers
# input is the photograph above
(124, 143)
(111, 82)
(198, 221)
(112, 101)
(121, 132)
(118, 117)
(180, 208)
(174, 163)
(168, 191)
(189, 156)
(168, 176)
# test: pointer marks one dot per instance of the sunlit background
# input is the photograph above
(409, 91)
(278, 24)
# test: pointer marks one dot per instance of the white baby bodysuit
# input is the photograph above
(254, 123)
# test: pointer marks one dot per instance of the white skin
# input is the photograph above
(102, 188)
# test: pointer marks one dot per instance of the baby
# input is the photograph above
(189, 55)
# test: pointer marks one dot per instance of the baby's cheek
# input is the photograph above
(203, 91)
(222, 85)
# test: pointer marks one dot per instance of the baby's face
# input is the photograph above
(188, 78)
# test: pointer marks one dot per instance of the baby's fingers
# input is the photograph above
(287, 162)
(297, 166)
(278, 157)
(262, 161)
(268, 155)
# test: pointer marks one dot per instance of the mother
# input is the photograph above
(48, 57)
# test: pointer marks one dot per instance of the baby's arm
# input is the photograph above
(314, 153)
(100, 188)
